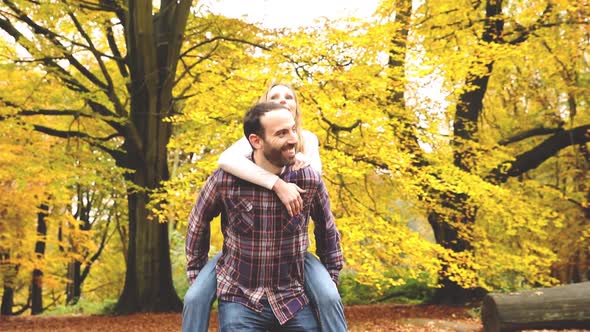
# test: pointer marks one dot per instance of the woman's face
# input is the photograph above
(284, 96)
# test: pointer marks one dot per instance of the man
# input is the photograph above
(260, 272)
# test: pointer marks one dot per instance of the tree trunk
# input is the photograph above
(153, 50)
(450, 292)
(83, 208)
(562, 307)
(7, 301)
(10, 271)
(404, 121)
(153, 40)
(148, 281)
(465, 129)
(74, 287)
(37, 282)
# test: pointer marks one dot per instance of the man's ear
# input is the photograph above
(255, 141)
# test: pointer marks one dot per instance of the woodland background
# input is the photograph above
(453, 135)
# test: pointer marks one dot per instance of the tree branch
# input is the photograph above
(105, 113)
(230, 39)
(529, 133)
(49, 62)
(536, 156)
(94, 141)
(335, 128)
(115, 49)
(109, 89)
(187, 69)
(106, 6)
(364, 159)
(523, 33)
(53, 38)
(97, 254)
(73, 113)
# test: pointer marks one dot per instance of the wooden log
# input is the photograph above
(561, 307)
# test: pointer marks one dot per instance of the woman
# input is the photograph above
(319, 287)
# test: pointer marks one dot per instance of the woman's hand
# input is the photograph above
(290, 195)
(301, 161)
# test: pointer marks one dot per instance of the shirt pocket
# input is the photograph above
(241, 215)
(294, 224)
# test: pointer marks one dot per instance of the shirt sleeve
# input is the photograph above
(312, 150)
(235, 161)
(198, 236)
(326, 234)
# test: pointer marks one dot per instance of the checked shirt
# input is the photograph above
(263, 249)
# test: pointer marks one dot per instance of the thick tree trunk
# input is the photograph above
(129, 299)
(562, 307)
(451, 292)
(153, 49)
(37, 282)
(7, 301)
(465, 129)
(148, 283)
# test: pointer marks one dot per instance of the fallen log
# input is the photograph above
(560, 307)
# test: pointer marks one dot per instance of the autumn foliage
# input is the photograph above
(453, 136)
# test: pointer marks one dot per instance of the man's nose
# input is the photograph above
(293, 138)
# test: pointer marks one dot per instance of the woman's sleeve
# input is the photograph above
(235, 161)
(312, 150)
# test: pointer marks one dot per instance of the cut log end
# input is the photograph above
(562, 307)
(490, 315)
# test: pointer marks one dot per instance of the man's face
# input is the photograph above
(280, 137)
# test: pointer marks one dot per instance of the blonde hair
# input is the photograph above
(298, 113)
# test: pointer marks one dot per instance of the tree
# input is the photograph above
(457, 217)
(126, 89)
(463, 198)
(95, 207)
(136, 133)
(26, 190)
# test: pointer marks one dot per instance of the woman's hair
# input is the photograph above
(298, 113)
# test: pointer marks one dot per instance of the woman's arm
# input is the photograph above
(235, 161)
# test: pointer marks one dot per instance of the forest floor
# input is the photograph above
(382, 317)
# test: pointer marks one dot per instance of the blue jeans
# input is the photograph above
(319, 287)
(238, 317)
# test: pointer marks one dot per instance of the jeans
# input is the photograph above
(238, 317)
(319, 287)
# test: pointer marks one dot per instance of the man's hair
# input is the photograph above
(252, 124)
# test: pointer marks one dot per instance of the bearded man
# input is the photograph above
(260, 271)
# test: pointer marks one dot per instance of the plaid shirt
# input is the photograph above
(263, 249)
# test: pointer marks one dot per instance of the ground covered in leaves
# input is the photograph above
(385, 317)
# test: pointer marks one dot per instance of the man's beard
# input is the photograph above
(275, 156)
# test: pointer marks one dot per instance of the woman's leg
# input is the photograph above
(199, 298)
(323, 294)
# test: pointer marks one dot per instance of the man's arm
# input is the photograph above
(198, 234)
(326, 234)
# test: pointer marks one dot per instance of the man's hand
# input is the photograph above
(301, 161)
(290, 195)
